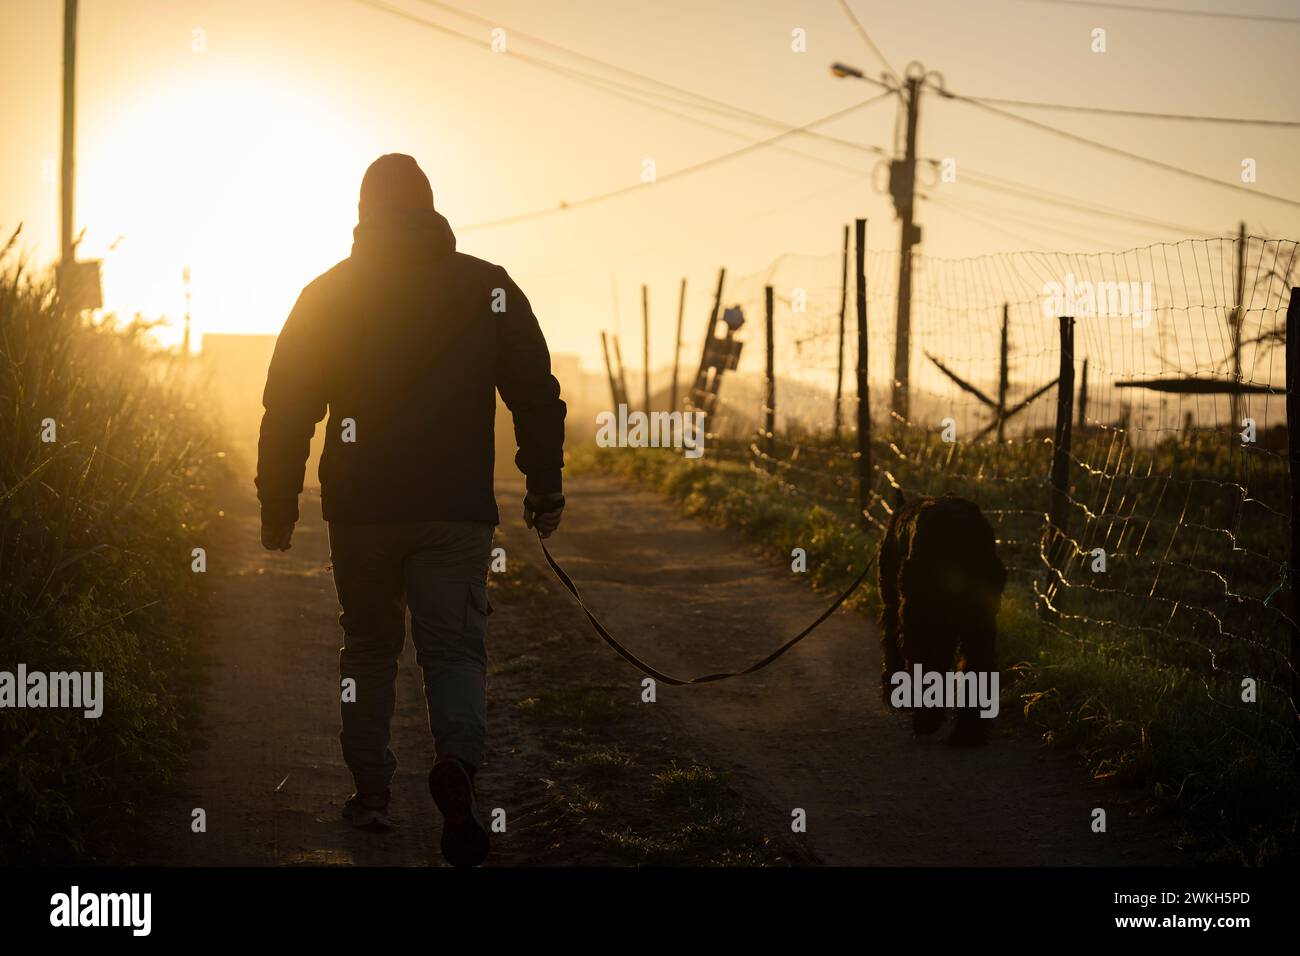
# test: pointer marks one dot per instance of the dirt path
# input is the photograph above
(808, 733)
(271, 777)
(811, 732)
(573, 759)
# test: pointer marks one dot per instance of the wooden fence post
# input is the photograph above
(1237, 321)
(769, 399)
(674, 402)
(622, 374)
(1293, 463)
(1002, 377)
(1083, 397)
(864, 394)
(701, 377)
(1060, 474)
(645, 346)
(609, 370)
(839, 367)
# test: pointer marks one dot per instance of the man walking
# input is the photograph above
(405, 343)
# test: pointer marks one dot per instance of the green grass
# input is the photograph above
(706, 823)
(1139, 712)
(603, 763)
(96, 531)
(579, 704)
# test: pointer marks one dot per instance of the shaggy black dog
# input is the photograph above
(940, 583)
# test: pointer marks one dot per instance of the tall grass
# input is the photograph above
(96, 531)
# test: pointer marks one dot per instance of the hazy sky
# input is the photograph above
(231, 137)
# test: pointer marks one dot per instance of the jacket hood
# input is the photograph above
(403, 234)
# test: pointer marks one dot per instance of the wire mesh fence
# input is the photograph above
(1170, 530)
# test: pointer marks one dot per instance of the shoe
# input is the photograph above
(368, 811)
(464, 838)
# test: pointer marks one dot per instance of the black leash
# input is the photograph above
(706, 678)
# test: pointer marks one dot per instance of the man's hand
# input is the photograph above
(543, 512)
(275, 537)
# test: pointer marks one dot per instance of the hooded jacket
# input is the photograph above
(405, 344)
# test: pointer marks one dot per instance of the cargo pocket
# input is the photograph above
(448, 622)
(476, 614)
(478, 599)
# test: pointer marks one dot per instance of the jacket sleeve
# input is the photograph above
(295, 400)
(529, 390)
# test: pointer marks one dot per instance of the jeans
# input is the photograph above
(439, 570)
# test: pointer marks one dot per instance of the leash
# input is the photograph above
(705, 678)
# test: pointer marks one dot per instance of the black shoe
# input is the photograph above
(464, 838)
(368, 811)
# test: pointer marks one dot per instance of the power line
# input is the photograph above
(1027, 218)
(675, 174)
(1137, 8)
(985, 224)
(696, 234)
(645, 77)
(637, 94)
(866, 38)
(1116, 150)
(639, 97)
(606, 84)
(1037, 194)
(694, 99)
(1034, 245)
(1144, 114)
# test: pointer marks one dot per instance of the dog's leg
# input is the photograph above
(923, 635)
(979, 649)
(925, 640)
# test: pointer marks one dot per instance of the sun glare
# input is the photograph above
(250, 183)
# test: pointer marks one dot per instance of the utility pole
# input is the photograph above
(902, 186)
(78, 282)
(66, 181)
